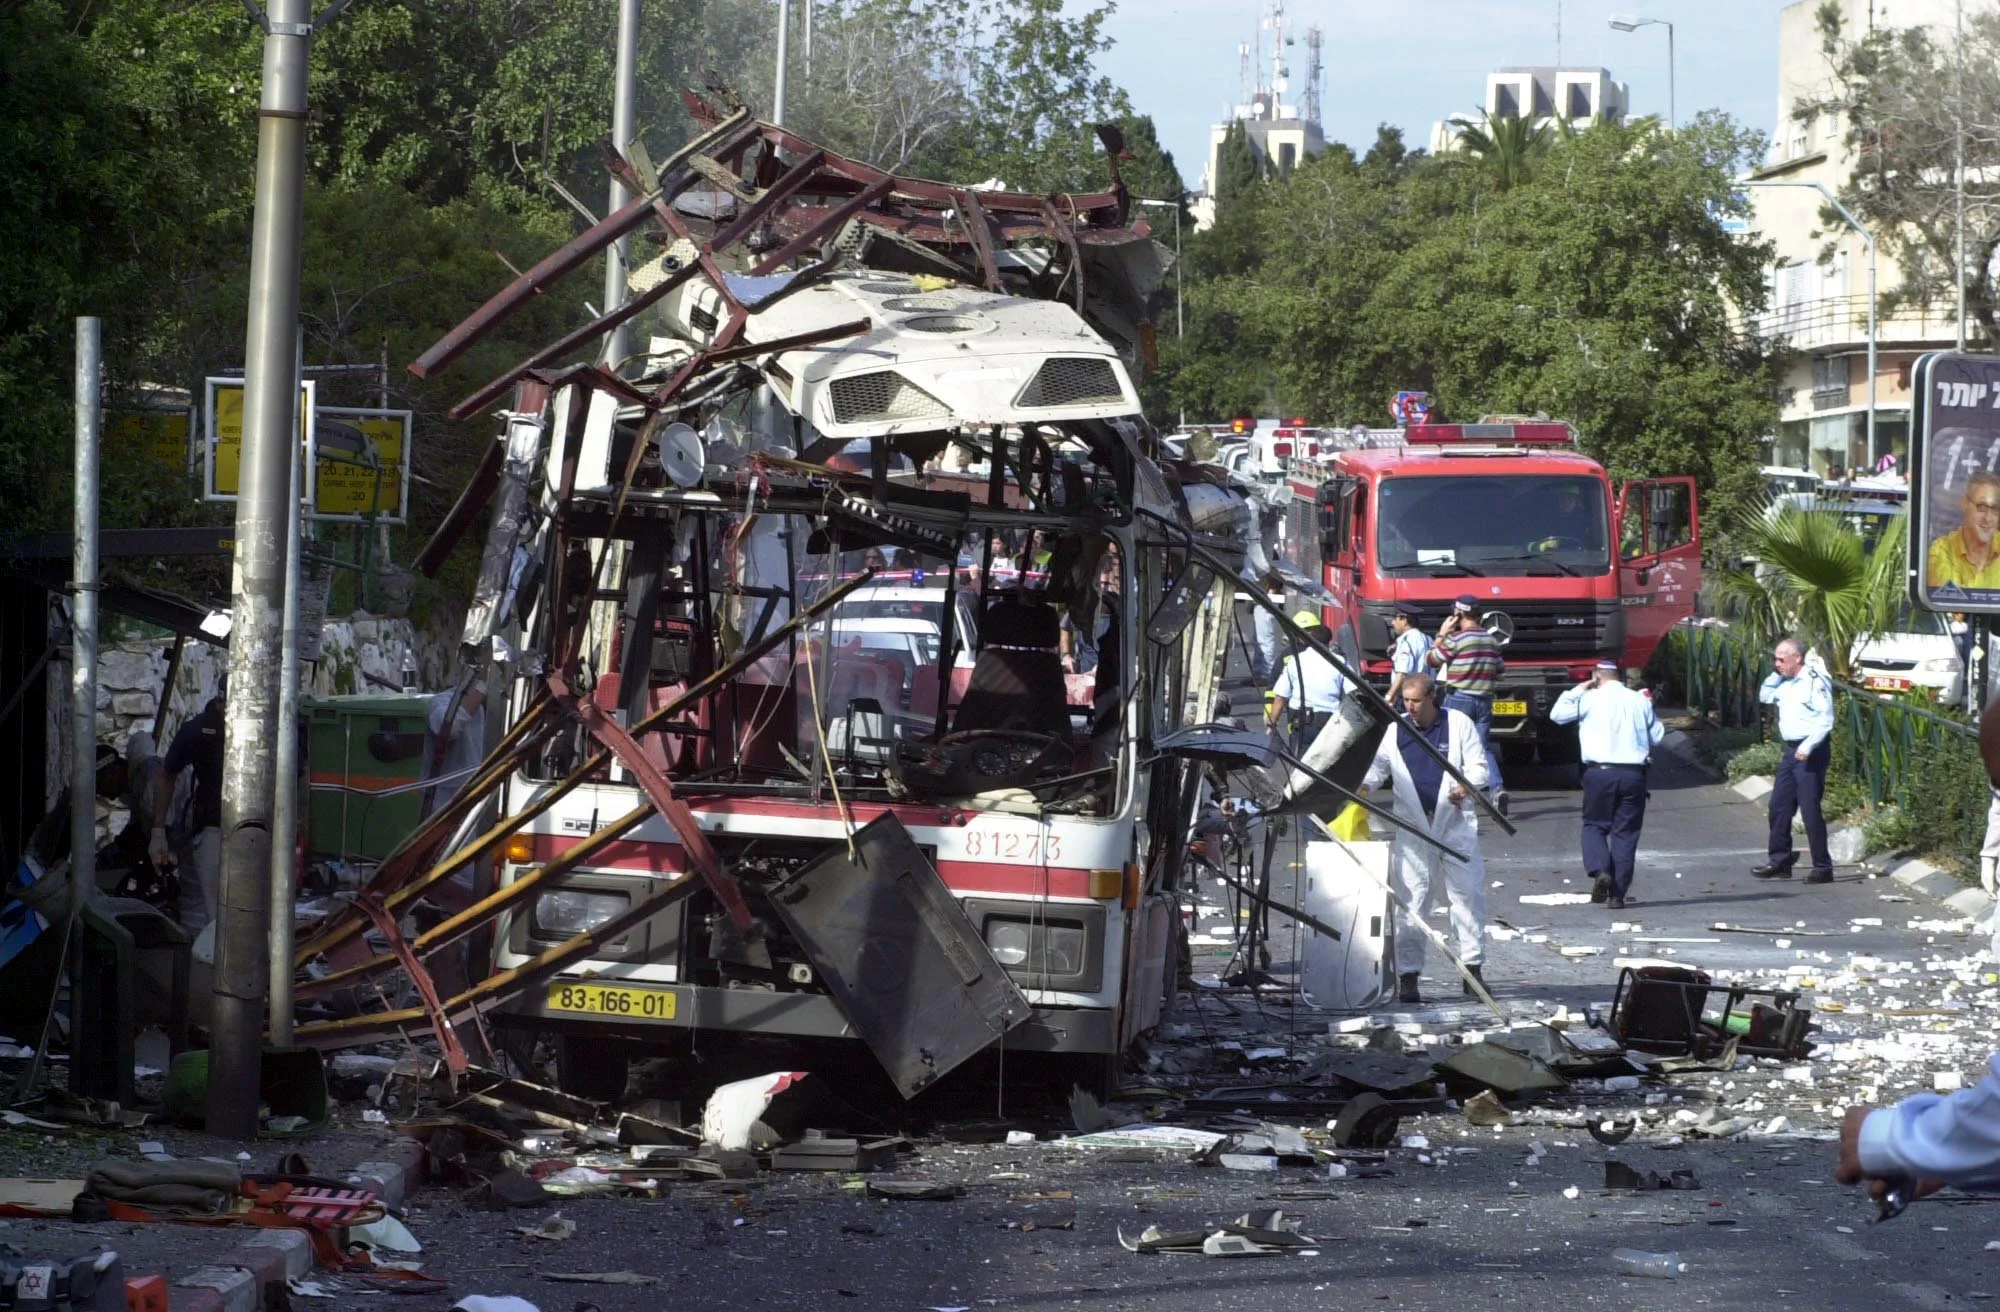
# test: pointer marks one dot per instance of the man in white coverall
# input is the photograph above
(1432, 800)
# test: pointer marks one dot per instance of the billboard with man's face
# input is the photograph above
(1955, 483)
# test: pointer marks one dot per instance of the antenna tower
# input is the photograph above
(1315, 72)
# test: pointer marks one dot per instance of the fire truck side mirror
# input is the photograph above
(1334, 509)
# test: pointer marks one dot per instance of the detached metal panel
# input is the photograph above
(899, 955)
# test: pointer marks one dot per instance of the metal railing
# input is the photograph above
(1720, 675)
(1877, 739)
(1885, 739)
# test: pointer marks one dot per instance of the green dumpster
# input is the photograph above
(359, 748)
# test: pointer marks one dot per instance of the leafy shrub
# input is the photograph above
(1947, 798)
(1890, 829)
(1758, 758)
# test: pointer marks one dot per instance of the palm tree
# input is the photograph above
(1506, 147)
(1814, 578)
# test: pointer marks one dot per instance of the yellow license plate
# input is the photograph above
(612, 1000)
(1510, 708)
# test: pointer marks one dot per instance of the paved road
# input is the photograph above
(1484, 1221)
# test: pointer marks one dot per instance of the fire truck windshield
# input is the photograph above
(1483, 524)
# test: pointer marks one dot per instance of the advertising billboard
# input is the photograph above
(1955, 483)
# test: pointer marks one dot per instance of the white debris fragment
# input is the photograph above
(1556, 899)
(1571, 1192)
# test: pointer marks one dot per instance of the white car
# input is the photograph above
(1919, 652)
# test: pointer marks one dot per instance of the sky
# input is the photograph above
(1412, 62)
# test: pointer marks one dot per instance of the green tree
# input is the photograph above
(1599, 288)
(1813, 578)
(1899, 96)
(1505, 148)
(1236, 168)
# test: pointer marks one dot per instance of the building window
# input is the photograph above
(1829, 381)
(1506, 101)
(1579, 100)
(1288, 155)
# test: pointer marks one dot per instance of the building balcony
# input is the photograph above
(1835, 321)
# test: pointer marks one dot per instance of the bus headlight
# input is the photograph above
(1038, 948)
(567, 912)
(1008, 942)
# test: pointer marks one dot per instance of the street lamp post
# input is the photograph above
(1180, 322)
(1868, 239)
(1633, 25)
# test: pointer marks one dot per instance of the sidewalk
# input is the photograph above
(1915, 874)
(236, 1268)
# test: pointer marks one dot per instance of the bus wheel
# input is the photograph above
(593, 1068)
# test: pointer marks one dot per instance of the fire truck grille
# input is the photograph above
(1541, 630)
(884, 396)
(1068, 381)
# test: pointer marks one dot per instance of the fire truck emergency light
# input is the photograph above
(1489, 434)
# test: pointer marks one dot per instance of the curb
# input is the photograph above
(1677, 744)
(255, 1274)
(1915, 874)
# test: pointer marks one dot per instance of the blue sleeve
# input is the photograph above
(1768, 693)
(1569, 706)
(1926, 1137)
(1819, 710)
(1654, 729)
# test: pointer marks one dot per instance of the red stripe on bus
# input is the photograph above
(961, 876)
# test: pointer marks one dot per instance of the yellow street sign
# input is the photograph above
(158, 437)
(349, 486)
(224, 455)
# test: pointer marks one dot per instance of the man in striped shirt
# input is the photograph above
(1468, 660)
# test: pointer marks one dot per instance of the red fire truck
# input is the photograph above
(1567, 570)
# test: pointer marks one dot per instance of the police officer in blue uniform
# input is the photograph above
(1804, 698)
(1616, 729)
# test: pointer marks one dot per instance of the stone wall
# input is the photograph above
(362, 653)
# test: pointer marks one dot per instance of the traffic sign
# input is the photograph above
(374, 483)
(222, 453)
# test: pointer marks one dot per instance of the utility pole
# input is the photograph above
(285, 779)
(270, 404)
(83, 631)
(618, 259)
(784, 34)
(1958, 172)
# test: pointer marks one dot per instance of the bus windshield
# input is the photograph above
(1479, 524)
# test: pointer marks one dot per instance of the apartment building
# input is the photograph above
(1576, 96)
(1819, 282)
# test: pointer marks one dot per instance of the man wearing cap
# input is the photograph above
(1307, 683)
(1467, 657)
(1407, 652)
(1616, 729)
(1804, 698)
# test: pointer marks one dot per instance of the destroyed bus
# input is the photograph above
(843, 646)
